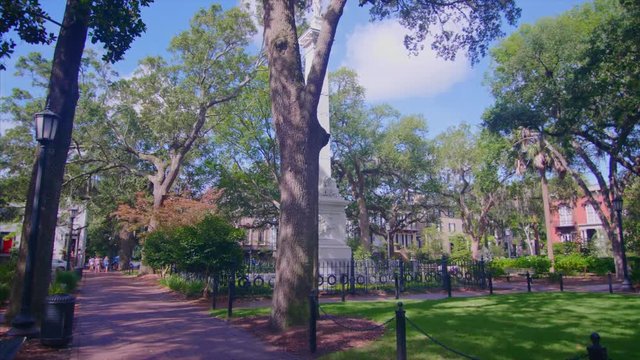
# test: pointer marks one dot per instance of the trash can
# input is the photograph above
(79, 272)
(57, 322)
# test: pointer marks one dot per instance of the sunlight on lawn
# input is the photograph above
(521, 326)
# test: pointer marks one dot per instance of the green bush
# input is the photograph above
(7, 271)
(193, 288)
(4, 292)
(566, 248)
(600, 266)
(68, 280)
(190, 288)
(57, 289)
(497, 266)
(540, 264)
(571, 264)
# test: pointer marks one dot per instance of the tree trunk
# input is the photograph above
(475, 247)
(363, 223)
(547, 216)
(63, 97)
(536, 240)
(127, 243)
(300, 138)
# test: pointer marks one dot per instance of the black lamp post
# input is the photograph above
(24, 323)
(626, 283)
(73, 212)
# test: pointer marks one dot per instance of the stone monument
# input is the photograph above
(332, 220)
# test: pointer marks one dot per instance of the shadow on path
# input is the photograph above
(120, 317)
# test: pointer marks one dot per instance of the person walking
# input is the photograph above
(96, 264)
(90, 264)
(106, 264)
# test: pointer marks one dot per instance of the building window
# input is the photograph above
(567, 237)
(247, 239)
(452, 227)
(566, 216)
(592, 215)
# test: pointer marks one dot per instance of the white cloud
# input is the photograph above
(386, 69)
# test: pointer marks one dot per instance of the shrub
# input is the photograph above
(193, 288)
(7, 271)
(497, 266)
(566, 248)
(571, 264)
(540, 264)
(635, 275)
(600, 266)
(190, 288)
(4, 292)
(68, 280)
(57, 289)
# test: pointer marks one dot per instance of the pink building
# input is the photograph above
(575, 222)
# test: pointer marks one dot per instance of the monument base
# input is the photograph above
(332, 223)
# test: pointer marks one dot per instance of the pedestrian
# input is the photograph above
(91, 264)
(96, 264)
(106, 264)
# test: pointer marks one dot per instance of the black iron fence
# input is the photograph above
(355, 277)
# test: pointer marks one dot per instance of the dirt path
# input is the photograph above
(119, 317)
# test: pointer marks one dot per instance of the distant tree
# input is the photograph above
(406, 188)
(557, 78)
(473, 170)
(246, 161)
(161, 115)
(356, 132)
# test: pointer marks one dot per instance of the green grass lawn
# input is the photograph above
(520, 326)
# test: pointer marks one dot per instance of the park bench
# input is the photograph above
(510, 272)
(9, 347)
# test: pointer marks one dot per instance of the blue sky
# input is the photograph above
(446, 93)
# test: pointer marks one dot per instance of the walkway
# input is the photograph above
(119, 317)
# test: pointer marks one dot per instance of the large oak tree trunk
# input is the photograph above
(63, 97)
(300, 138)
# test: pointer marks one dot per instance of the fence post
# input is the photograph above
(397, 283)
(444, 272)
(561, 283)
(490, 283)
(401, 267)
(401, 334)
(232, 287)
(313, 312)
(352, 278)
(446, 279)
(528, 282)
(343, 287)
(597, 351)
(214, 292)
(610, 283)
(483, 281)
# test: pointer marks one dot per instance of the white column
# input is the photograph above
(332, 220)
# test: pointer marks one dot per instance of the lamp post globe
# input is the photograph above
(626, 281)
(46, 126)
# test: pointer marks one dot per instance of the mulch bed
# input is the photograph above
(333, 334)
